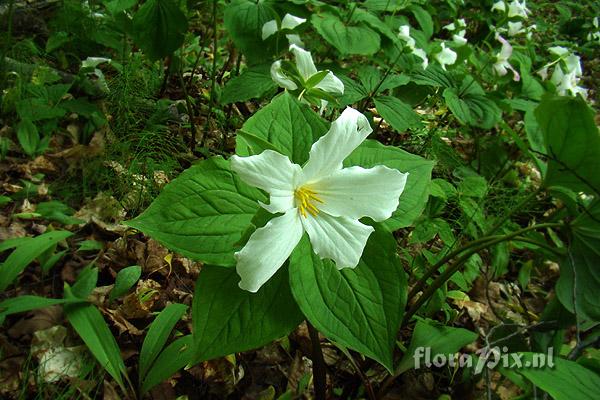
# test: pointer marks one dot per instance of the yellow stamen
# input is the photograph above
(305, 201)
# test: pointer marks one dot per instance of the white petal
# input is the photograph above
(499, 5)
(573, 64)
(558, 50)
(506, 50)
(446, 56)
(269, 29)
(327, 154)
(423, 56)
(304, 61)
(331, 84)
(294, 39)
(449, 27)
(280, 78)
(459, 40)
(271, 172)
(357, 192)
(267, 249)
(340, 239)
(290, 21)
(404, 34)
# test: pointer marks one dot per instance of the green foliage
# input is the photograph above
(287, 125)
(357, 39)
(244, 320)
(155, 340)
(358, 308)
(437, 338)
(572, 143)
(125, 280)
(27, 251)
(159, 27)
(203, 213)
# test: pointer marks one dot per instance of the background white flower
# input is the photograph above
(501, 66)
(404, 34)
(288, 22)
(446, 56)
(322, 199)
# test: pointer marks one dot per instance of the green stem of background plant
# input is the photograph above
(213, 73)
(471, 249)
(487, 237)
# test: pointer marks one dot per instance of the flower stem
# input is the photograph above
(319, 372)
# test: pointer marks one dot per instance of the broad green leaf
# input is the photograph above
(424, 19)
(25, 253)
(359, 308)
(90, 245)
(572, 143)
(358, 39)
(288, 125)
(253, 83)
(244, 20)
(159, 27)
(227, 319)
(397, 113)
(93, 330)
(435, 337)
(416, 192)
(174, 357)
(472, 108)
(387, 5)
(28, 136)
(157, 336)
(126, 278)
(203, 213)
(579, 269)
(565, 380)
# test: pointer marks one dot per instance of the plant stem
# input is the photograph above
(213, 73)
(447, 274)
(385, 75)
(515, 209)
(319, 373)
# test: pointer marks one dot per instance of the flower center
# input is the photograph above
(306, 200)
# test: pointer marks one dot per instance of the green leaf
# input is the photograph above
(27, 303)
(93, 330)
(387, 5)
(86, 282)
(572, 143)
(157, 336)
(359, 308)
(176, 356)
(227, 319)
(397, 113)
(288, 125)
(253, 83)
(416, 192)
(566, 380)
(359, 39)
(28, 136)
(126, 278)
(159, 27)
(424, 19)
(26, 253)
(244, 20)
(472, 108)
(579, 269)
(203, 213)
(437, 338)
(90, 245)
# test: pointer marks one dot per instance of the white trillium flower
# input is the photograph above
(501, 66)
(322, 199)
(306, 67)
(288, 22)
(515, 8)
(458, 38)
(404, 34)
(446, 56)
